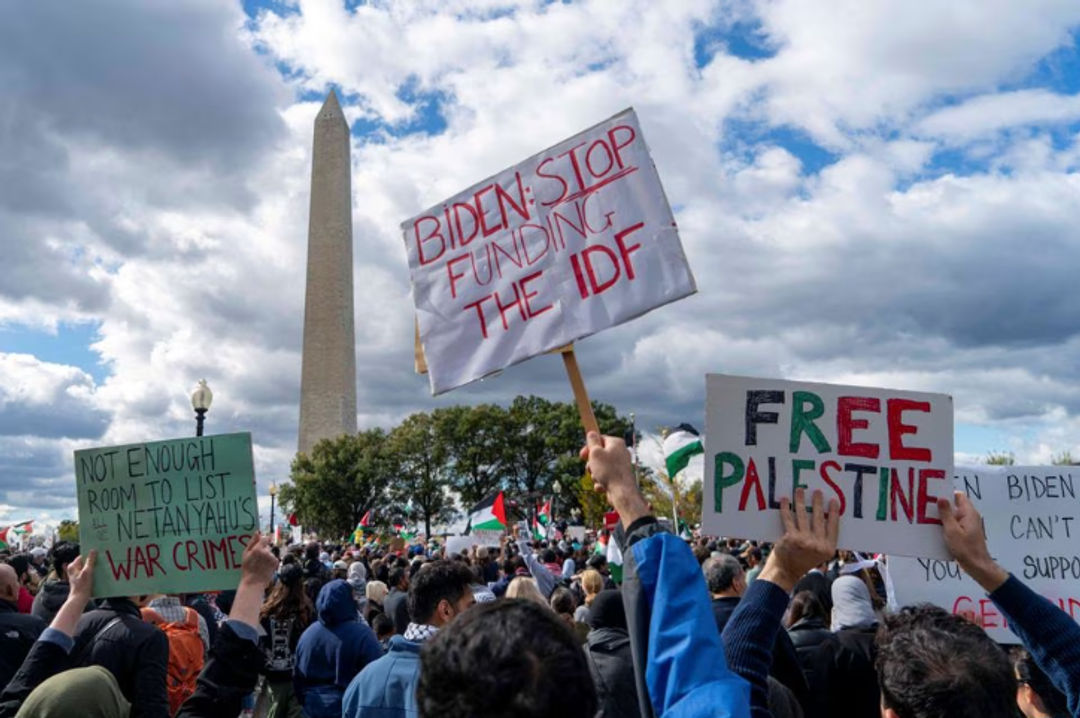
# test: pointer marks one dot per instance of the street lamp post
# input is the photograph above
(201, 399)
(273, 494)
(557, 488)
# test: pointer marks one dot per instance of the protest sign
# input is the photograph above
(884, 455)
(457, 544)
(167, 516)
(1031, 515)
(573, 240)
(576, 533)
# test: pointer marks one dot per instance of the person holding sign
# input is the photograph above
(1048, 633)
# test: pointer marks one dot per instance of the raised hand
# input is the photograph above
(808, 540)
(258, 563)
(80, 574)
(608, 460)
(963, 530)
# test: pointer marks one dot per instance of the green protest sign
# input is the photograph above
(167, 516)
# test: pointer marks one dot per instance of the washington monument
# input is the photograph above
(328, 378)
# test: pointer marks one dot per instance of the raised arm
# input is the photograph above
(750, 633)
(49, 654)
(678, 658)
(1049, 634)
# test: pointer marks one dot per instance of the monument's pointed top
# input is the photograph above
(331, 107)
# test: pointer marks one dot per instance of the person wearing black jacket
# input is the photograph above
(230, 672)
(815, 646)
(136, 652)
(18, 631)
(607, 651)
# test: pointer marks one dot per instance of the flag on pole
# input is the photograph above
(537, 532)
(293, 521)
(614, 559)
(543, 513)
(366, 520)
(488, 515)
(4, 544)
(23, 528)
(679, 446)
(358, 533)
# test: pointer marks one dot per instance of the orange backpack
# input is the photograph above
(185, 654)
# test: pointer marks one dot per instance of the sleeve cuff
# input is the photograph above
(243, 630)
(767, 594)
(57, 637)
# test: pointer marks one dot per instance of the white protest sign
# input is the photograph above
(885, 456)
(457, 544)
(571, 241)
(1032, 519)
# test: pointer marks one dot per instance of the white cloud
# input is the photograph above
(179, 220)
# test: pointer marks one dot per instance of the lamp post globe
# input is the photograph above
(201, 399)
(273, 494)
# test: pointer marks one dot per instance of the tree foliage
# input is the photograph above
(433, 464)
(68, 530)
(341, 480)
(423, 476)
(1001, 458)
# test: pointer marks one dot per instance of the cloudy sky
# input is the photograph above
(875, 193)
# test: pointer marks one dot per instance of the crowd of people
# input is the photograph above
(706, 627)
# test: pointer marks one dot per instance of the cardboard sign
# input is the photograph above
(573, 240)
(167, 516)
(885, 455)
(1032, 519)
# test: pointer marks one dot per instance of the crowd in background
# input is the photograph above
(538, 628)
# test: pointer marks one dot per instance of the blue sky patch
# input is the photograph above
(427, 117)
(744, 39)
(70, 345)
(746, 138)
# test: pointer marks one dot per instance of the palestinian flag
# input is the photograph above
(358, 533)
(614, 560)
(4, 544)
(537, 532)
(23, 528)
(543, 513)
(488, 515)
(366, 520)
(679, 446)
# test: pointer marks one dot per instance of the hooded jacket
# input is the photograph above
(607, 651)
(331, 651)
(18, 632)
(679, 664)
(49, 599)
(387, 687)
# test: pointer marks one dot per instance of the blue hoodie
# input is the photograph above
(332, 651)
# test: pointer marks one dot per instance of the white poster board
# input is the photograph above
(1032, 520)
(885, 455)
(573, 240)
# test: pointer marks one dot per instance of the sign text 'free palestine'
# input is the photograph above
(886, 456)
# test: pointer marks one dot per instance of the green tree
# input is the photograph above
(1063, 459)
(476, 439)
(68, 530)
(546, 438)
(341, 480)
(423, 478)
(1000, 458)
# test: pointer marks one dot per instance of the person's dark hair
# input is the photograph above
(63, 553)
(701, 554)
(1029, 674)
(755, 552)
(932, 664)
(598, 563)
(548, 556)
(21, 563)
(562, 601)
(289, 560)
(288, 598)
(396, 575)
(805, 605)
(311, 553)
(438, 580)
(506, 659)
(383, 625)
(721, 572)
(607, 610)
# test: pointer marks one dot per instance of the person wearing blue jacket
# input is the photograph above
(331, 652)
(678, 657)
(386, 688)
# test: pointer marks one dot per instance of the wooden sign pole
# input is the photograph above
(581, 396)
